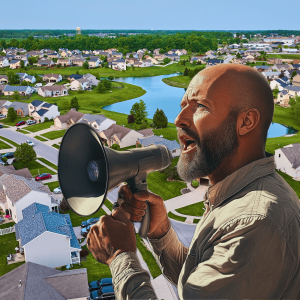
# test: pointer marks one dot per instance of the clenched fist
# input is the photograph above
(112, 235)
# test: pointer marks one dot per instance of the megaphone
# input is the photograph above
(87, 170)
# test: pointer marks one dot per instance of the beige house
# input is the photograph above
(53, 91)
(3, 79)
(159, 56)
(52, 77)
(64, 62)
(45, 63)
(283, 99)
(93, 63)
(64, 54)
(153, 60)
(296, 80)
(67, 120)
(78, 62)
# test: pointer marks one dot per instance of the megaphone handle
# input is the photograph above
(145, 223)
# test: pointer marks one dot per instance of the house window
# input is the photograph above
(278, 155)
(173, 151)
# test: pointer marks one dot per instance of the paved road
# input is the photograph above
(41, 149)
(228, 59)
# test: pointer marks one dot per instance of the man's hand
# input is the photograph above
(135, 205)
(111, 236)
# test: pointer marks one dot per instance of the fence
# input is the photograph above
(7, 230)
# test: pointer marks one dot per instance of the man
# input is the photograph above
(247, 244)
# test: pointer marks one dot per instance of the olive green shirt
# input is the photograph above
(247, 244)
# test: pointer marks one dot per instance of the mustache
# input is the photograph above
(190, 133)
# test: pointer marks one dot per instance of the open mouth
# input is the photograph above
(188, 143)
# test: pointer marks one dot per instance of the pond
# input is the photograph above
(165, 97)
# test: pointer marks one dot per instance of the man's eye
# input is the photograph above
(201, 105)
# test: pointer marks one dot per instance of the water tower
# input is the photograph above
(78, 30)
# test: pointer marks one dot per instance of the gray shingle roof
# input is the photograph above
(117, 130)
(47, 105)
(293, 154)
(9, 88)
(36, 102)
(293, 88)
(91, 118)
(157, 140)
(41, 112)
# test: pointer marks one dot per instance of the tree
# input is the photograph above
(25, 154)
(107, 84)
(130, 119)
(186, 72)
(13, 78)
(11, 114)
(100, 87)
(16, 95)
(88, 58)
(111, 77)
(166, 60)
(294, 74)
(39, 79)
(161, 51)
(74, 103)
(139, 111)
(159, 119)
(131, 55)
(85, 65)
(65, 105)
(191, 73)
(115, 146)
(22, 64)
(132, 67)
(24, 83)
(4, 159)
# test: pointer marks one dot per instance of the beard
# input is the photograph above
(212, 149)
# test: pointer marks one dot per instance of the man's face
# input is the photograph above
(206, 128)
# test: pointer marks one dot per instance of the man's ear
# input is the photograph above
(247, 120)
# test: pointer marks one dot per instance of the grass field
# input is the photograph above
(7, 122)
(285, 56)
(40, 138)
(9, 141)
(47, 162)
(34, 167)
(178, 81)
(4, 145)
(196, 209)
(175, 217)
(52, 135)
(40, 126)
(170, 133)
(52, 185)
(55, 146)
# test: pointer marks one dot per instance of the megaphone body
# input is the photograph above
(87, 170)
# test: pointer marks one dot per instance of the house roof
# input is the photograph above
(215, 61)
(42, 111)
(44, 61)
(262, 67)
(117, 130)
(157, 140)
(38, 218)
(71, 114)
(52, 75)
(22, 172)
(18, 105)
(146, 132)
(2, 86)
(36, 102)
(13, 61)
(53, 88)
(76, 76)
(3, 76)
(293, 88)
(82, 80)
(9, 88)
(47, 105)
(93, 118)
(292, 153)
(41, 282)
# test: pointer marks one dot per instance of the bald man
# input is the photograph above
(247, 244)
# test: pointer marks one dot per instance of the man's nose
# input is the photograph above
(184, 118)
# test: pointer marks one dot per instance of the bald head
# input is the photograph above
(236, 88)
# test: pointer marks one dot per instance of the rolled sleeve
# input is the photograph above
(130, 280)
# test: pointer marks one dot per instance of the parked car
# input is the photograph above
(1, 126)
(20, 123)
(85, 230)
(8, 155)
(96, 284)
(89, 222)
(30, 122)
(30, 143)
(105, 292)
(43, 176)
(2, 116)
(57, 190)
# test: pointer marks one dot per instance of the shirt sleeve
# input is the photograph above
(130, 280)
(170, 253)
(250, 259)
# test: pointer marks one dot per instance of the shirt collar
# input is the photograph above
(236, 181)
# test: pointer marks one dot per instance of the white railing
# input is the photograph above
(75, 260)
(7, 230)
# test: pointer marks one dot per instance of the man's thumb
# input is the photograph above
(120, 214)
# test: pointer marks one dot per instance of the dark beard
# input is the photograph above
(214, 147)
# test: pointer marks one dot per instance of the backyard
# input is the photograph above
(34, 167)
(40, 126)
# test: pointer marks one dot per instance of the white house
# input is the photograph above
(83, 83)
(99, 122)
(287, 160)
(47, 237)
(30, 79)
(53, 91)
(40, 110)
(93, 63)
(119, 64)
(92, 79)
(280, 83)
(19, 192)
(4, 62)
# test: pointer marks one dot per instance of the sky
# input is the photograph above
(155, 14)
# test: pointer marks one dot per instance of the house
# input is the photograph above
(78, 61)
(122, 136)
(70, 118)
(283, 98)
(16, 63)
(93, 63)
(4, 62)
(10, 170)
(159, 56)
(40, 110)
(292, 90)
(64, 62)
(173, 146)
(103, 53)
(93, 81)
(35, 53)
(2, 86)
(153, 60)
(271, 74)
(99, 122)
(156, 51)
(296, 80)
(45, 63)
(288, 73)
(172, 51)
(282, 67)
(64, 53)
(287, 160)
(280, 83)
(23, 90)
(53, 55)
(263, 68)
(47, 237)
(52, 77)
(119, 64)
(22, 75)
(134, 54)
(35, 282)
(20, 108)
(30, 79)
(146, 132)
(82, 83)
(53, 91)
(74, 77)
(173, 57)
(131, 61)
(198, 59)
(143, 63)
(273, 60)
(213, 62)
(3, 79)
(18, 192)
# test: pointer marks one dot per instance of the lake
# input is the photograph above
(165, 97)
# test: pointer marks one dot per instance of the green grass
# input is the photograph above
(23, 131)
(196, 221)
(8, 244)
(9, 141)
(178, 81)
(4, 145)
(34, 167)
(108, 204)
(175, 217)
(7, 225)
(285, 56)
(293, 183)
(40, 126)
(52, 135)
(182, 57)
(148, 258)
(195, 209)
(52, 185)
(47, 162)
(55, 146)
(76, 219)
(40, 138)
(7, 122)
(169, 133)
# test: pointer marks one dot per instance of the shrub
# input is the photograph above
(111, 77)
(46, 119)
(195, 183)
(63, 206)
(4, 159)
(84, 253)
(115, 147)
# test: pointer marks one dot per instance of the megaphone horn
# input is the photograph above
(87, 170)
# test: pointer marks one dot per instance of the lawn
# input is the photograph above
(4, 145)
(175, 217)
(40, 126)
(76, 219)
(47, 162)
(52, 185)
(196, 209)
(52, 135)
(178, 81)
(169, 133)
(7, 122)
(9, 141)
(55, 146)
(23, 131)
(34, 167)
(285, 56)
(293, 183)
(148, 257)
(7, 225)
(8, 243)
(40, 138)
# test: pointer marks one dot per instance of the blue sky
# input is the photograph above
(155, 14)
